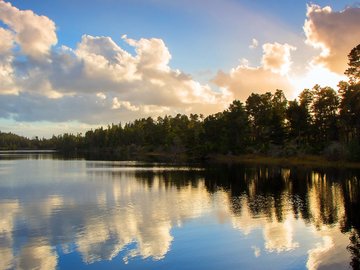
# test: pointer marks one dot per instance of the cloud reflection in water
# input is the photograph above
(107, 213)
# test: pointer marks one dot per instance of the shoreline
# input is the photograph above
(303, 160)
(306, 161)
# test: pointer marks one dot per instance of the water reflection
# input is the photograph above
(292, 218)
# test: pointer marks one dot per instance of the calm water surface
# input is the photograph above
(79, 214)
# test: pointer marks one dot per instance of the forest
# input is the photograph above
(321, 121)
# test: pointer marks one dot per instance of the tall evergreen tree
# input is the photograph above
(353, 71)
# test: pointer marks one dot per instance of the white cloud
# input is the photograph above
(38, 255)
(98, 81)
(137, 228)
(7, 84)
(279, 236)
(116, 104)
(65, 84)
(331, 252)
(155, 109)
(151, 53)
(104, 60)
(8, 211)
(254, 44)
(257, 251)
(101, 95)
(334, 33)
(35, 34)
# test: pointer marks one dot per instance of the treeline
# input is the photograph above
(10, 141)
(320, 121)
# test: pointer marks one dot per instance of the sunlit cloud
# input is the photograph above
(330, 252)
(96, 82)
(37, 255)
(33, 33)
(6, 41)
(8, 211)
(317, 74)
(7, 83)
(279, 236)
(277, 57)
(99, 80)
(273, 73)
(334, 33)
(116, 104)
(144, 223)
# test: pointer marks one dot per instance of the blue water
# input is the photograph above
(80, 214)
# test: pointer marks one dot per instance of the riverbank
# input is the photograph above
(107, 154)
(303, 160)
(182, 157)
(306, 160)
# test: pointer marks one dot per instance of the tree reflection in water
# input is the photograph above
(318, 196)
(115, 209)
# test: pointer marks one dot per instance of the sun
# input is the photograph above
(316, 74)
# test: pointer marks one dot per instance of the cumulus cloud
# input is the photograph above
(104, 60)
(279, 236)
(330, 252)
(8, 211)
(6, 41)
(116, 104)
(334, 33)
(37, 256)
(277, 57)
(272, 74)
(151, 53)
(137, 228)
(95, 81)
(35, 34)
(7, 84)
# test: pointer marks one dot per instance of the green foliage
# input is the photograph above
(267, 118)
(10, 141)
(324, 107)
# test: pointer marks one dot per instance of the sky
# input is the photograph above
(70, 66)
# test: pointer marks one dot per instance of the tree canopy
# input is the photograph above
(353, 71)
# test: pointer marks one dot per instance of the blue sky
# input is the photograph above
(198, 36)
(202, 46)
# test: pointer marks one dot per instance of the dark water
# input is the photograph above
(78, 214)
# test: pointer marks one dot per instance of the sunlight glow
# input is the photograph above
(317, 74)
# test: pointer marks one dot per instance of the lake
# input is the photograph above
(80, 214)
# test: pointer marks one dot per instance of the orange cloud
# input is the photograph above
(334, 33)
(277, 57)
(243, 80)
